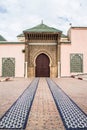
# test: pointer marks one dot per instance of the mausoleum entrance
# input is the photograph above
(42, 66)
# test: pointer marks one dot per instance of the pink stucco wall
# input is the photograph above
(14, 51)
(78, 44)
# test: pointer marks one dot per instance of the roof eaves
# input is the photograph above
(78, 27)
(3, 42)
(2, 38)
(20, 35)
(64, 36)
(66, 42)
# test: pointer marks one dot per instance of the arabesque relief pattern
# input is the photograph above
(34, 51)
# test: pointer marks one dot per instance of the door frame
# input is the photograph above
(48, 59)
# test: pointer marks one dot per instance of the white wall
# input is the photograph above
(15, 51)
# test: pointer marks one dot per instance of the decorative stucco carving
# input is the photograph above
(50, 51)
(31, 53)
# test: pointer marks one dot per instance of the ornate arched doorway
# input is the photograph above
(42, 66)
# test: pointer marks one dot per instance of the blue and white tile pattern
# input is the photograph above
(72, 116)
(16, 117)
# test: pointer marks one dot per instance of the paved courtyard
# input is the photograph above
(43, 114)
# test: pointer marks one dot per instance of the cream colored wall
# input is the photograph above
(21, 39)
(15, 51)
(78, 45)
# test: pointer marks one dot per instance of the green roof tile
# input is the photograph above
(63, 36)
(43, 28)
(5, 42)
(21, 35)
(2, 38)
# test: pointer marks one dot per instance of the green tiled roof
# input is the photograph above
(2, 38)
(21, 35)
(43, 28)
(5, 42)
(63, 36)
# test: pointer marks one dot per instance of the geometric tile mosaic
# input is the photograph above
(76, 62)
(16, 117)
(8, 67)
(72, 116)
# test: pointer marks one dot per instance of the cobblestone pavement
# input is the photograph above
(44, 114)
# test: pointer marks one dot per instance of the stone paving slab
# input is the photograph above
(17, 115)
(72, 116)
(44, 111)
(76, 89)
(44, 114)
(10, 91)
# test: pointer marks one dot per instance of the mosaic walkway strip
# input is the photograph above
(72, 116)
(16, 117)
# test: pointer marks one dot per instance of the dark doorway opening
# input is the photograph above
(42, 66)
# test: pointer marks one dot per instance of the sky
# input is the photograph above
(19, 15)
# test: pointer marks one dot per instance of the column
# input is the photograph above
(25, 69)
(59, 69)
(59, 56)
(26, 59)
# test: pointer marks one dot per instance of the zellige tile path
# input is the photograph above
(44, 114)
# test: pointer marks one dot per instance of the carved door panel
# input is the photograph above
(42, 66)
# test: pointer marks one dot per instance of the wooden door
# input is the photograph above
(42, 66)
